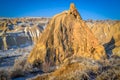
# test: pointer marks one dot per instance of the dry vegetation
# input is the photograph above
(20, 69)
(85, 69)
(74, 68)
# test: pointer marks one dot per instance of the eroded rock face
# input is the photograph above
(74, 11)
(66, 35)
(3, 30)
(33, 33)
(108, 34)
(20, 32)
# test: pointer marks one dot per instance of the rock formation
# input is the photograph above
(108, 34)
(33, 33)
(20, 32)
(66, 35)
(74, 11)
(3, 35)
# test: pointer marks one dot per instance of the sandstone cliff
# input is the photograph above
(66, 35)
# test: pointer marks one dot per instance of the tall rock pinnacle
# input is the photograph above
(74, 11)
(66, 35)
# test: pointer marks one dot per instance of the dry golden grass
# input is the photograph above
(19, 69)
(85, 69)
(4, 75)
(110, 71)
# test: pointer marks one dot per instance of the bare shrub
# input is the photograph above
(20, 68)
(45, 67)
(14, 73)
(85, 69)
(110, 74)
(4, 75)
(111, 71)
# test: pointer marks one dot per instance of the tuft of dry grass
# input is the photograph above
(111, 74)
(14, 73)
(20, 69)
(4, 75)
(110, 70)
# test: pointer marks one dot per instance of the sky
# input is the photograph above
(88, 9)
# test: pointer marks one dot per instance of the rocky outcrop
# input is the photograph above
(74, 11)
(108, 34)
(19, 32)
(66, 35)
(3, 30)
(33, 33)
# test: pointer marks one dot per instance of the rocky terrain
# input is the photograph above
(108, 34)
(17, 37)
(65, 47)
(20, 32)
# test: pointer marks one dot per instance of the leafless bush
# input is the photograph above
(14, 73)
(111, 71)
(111, 74)
(85, 69)
(4, 75)
(20, 68)
(44, 66)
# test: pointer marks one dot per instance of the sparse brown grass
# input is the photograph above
(110, 70)
(4, 75)
(19, 69)
(14, 73)
(85, 69)
(111, 74)
(76, 68)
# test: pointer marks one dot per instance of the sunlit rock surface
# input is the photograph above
(66, 35)
(108, 34)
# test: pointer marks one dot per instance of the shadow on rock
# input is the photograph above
(109, 47)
